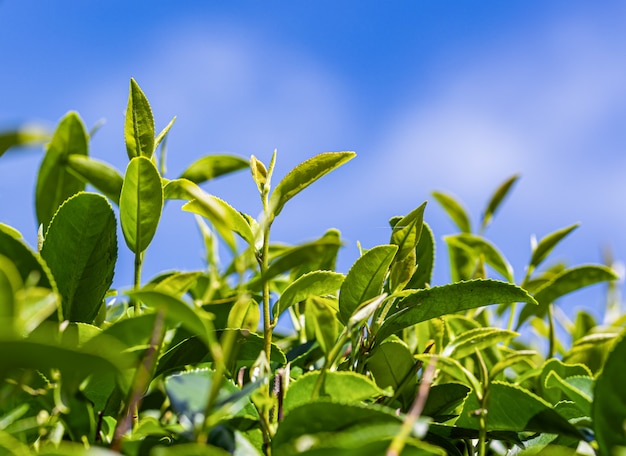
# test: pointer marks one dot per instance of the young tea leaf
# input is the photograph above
(21, 137)
(496, 199)
(139, 124)
(406, 232)
(315, 283)
(141, 203)
(322, 317)
(545, 246)
(365, 279)
(423, 305)
(212, 166)
(80, 248)
(99, 174)
(480, 247)
(454, 210)
(476, 339)
(566, 282)
(304, 175)
(425, 259)
(55, 183)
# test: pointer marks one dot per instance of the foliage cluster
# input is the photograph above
(380, 361)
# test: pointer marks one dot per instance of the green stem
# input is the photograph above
(137, 278)
(551, 334)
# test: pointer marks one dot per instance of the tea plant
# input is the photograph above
(379, 361)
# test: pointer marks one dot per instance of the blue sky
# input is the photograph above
(447, 95)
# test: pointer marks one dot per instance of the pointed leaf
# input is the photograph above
(577, 389)
(212, 166)
(545, 246)
(365, 279)
(406, 232)
(141, 203)
(99, 174)
(259, 173)
(304, 175)
(434, 302)
(321, 316)
(513, 408)
(425, 259)
(453, 368)
(479, 246)
(161, 136)
(609, 405)
(316, 283)
(81, 250)
(476, 339)
(496, 199)
(139, 124)
(55, 183)
(454, 210)
(566, 282)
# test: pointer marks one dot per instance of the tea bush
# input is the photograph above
(379, 361)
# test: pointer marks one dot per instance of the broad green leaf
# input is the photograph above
(175, 283)
(496, 200)
(55, 183)
(563, 370)
(212, 166)
(365, 279)
(425, 304)
(31, 266)
(577, 389)
(444, 398)
(567, 281)
(476, 339)
(391, 364)
(454, 210)
(516, 357)
(27, 135)
(401, 271)
(545, 246)
(591, 350)
(195, 320)
(425, 259)
(342, 387)
(81, 250)
(324, 321)
(406, 232)
(315, 283)
(513, 408)
(323, 416)
(244, 314)
(304, 175)
(139, 124)
(141, 203)
(10, 231)
(480, 247)
(609, 406)
(462, 264)
(99, 174)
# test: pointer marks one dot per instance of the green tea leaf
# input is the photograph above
(423, 305)
(259, 174)
(212, 166)
(516, 357)
(577, 389)
(175, 283)
(563, 370)
(161, 136)
(365, 279)
(141, 203)
(567, 281)
(391, 363)
(454, 210)
(513, 408)
(304, 175)
(139, 124)
(30, 265)
(454, 369)
(99, 174)
(496, 200)
(545, 246)
(322, 317)
(406, 233)
(27, 135)
(244, 314)
(341, 387)
(55, 183)
(609, 406)
(81, 250)
(480, 247)
(476, 339)
(425, 259)
(315, 283)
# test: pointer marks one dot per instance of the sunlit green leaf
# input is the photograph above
(425, 259)
(141, 203)
(496, 199)
(54, 182)
(322, 317)
(27, 135)
(406, 233)
(212, 166)
(454, 210)
(545, 246)
(315, 283)
(391, 363)
(139, 124)
(31, 266)
(480, 247)
(476, 339)
(99, 174)
(81, 250)
(423, 305)
(304, 175)
(365, 279)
